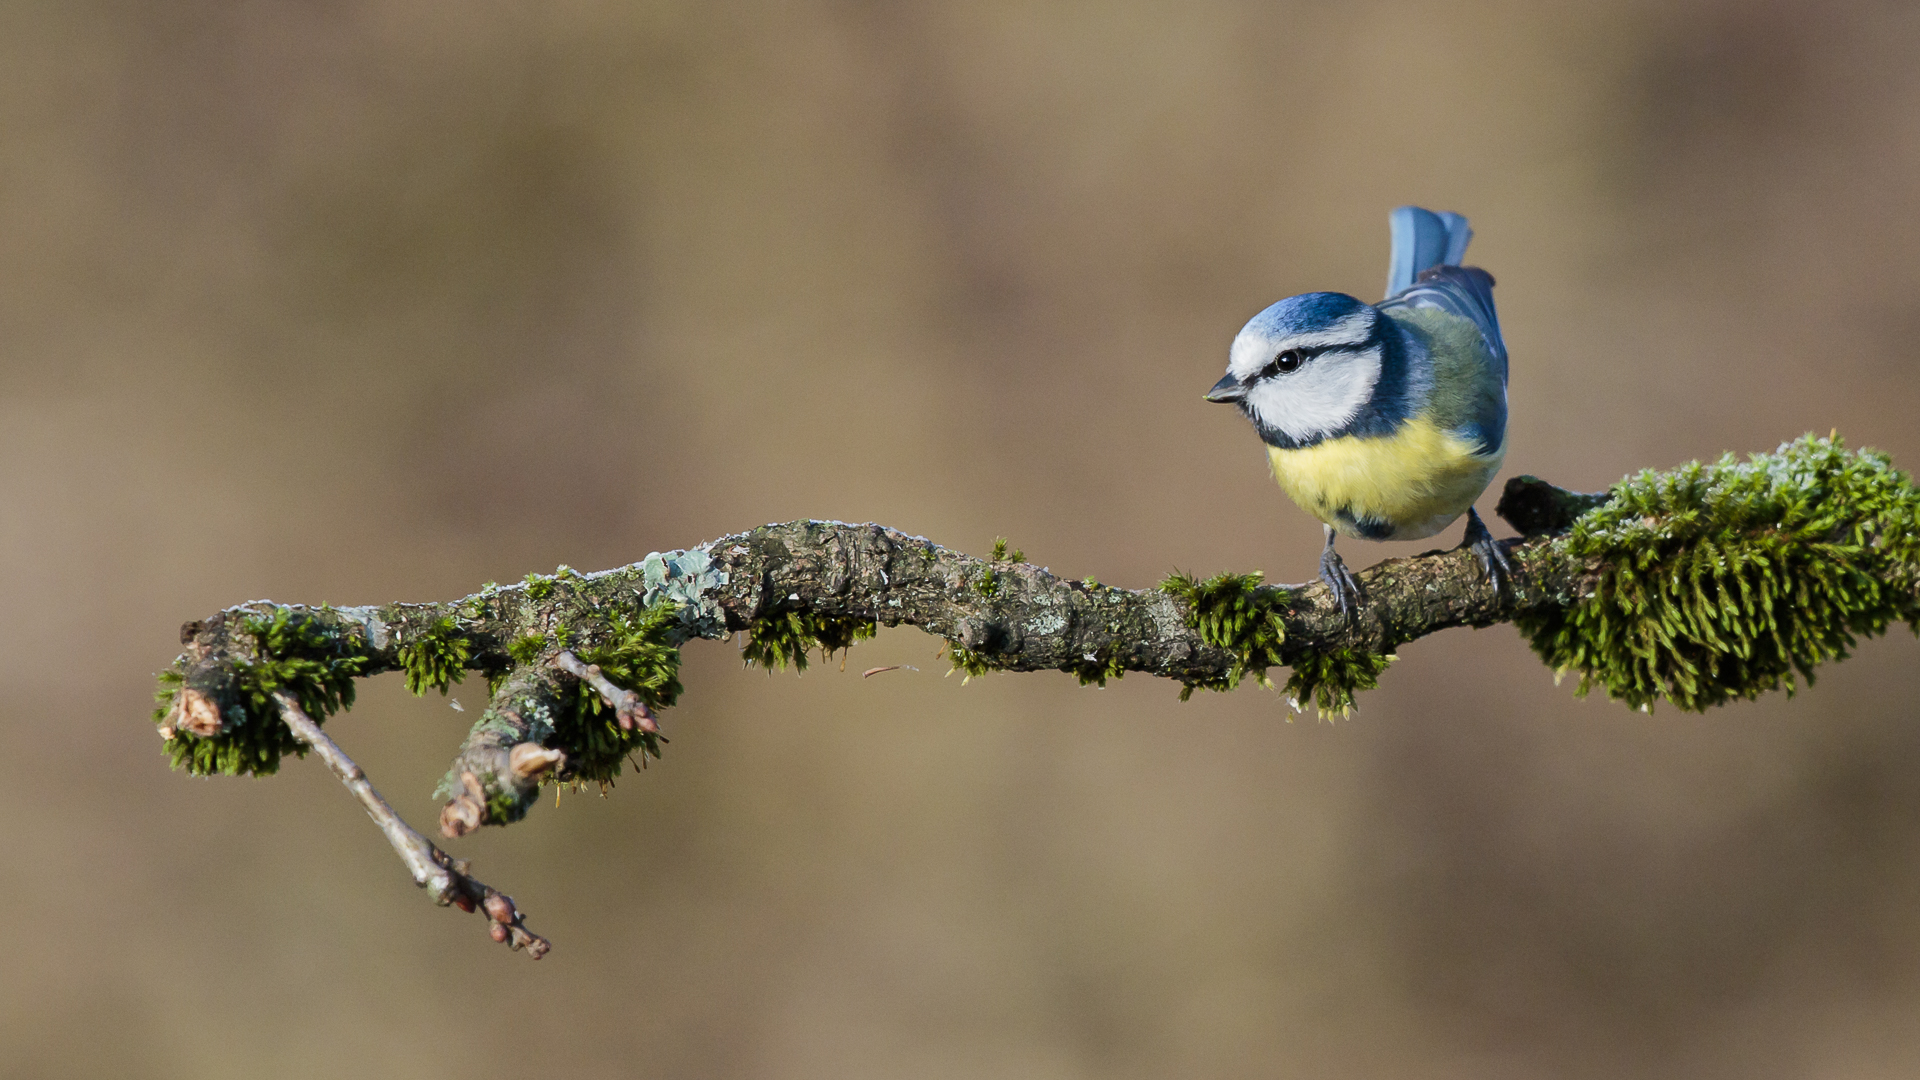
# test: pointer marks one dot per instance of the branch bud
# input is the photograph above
(530, 760)
(465, 811)
(634, 713)
(499, 908)
(199, 714)
(460, 816)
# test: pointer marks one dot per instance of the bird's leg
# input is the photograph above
(1333, 571)
(1493, 557)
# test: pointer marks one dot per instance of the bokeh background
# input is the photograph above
(362, 300)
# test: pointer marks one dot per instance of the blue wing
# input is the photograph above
(1466, 291)
(1426, 273)
(1475, 398)
(1423, 240)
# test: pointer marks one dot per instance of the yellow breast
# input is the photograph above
(1414, 481)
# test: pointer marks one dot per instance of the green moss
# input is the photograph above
(294, 653)
(1001, 553)
(1097, 670)
(527, 648)
(1728, 580)
(783, 637)
(988, 585)
(496, 677)
(170, 680)
(634, 655)
(538, 587)
(506, 807)
(1329, 679)
(968, 662)
(1233, 612)
(435, 658)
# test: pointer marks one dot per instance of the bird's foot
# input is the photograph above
(1346, 591)
(1491, 554)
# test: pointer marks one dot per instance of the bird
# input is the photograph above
(1384, 421)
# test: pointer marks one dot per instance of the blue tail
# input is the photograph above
(1423, 240)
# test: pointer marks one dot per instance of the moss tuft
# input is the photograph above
(968, 662)
(635, 655)
(1002, 553)
(1728, 580)
(1096, 670)
(527, 648)
(294, 653)
(1329, 679)
(783, 637)
(506, 807)
(989, 584)
(170, 680)
(1235, 613)
(436, 658)
(538, 587)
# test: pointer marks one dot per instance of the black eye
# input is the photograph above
(1286, 362)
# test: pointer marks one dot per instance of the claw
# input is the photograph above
(1492, 556)
(1333, 571)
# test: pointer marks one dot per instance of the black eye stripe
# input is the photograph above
(1291, 360)
(1274, 367)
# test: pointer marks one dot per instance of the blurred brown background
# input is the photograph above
(362, 300)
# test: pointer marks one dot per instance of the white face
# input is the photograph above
(1326, 392)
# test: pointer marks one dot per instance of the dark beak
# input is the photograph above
(1227, 391)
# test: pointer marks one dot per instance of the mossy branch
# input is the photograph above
(1698, 585)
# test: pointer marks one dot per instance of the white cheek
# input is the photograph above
(1319, 399)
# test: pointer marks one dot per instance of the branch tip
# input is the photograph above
(626, 705)
(445, 878)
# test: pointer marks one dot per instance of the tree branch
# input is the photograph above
(1698, 586)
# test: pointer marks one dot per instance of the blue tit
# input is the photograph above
(1385, 421)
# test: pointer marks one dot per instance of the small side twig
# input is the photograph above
(446, 879)
(626, 705)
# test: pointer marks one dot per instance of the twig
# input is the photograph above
(626, 704)
(445, 879)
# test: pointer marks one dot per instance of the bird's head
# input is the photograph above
(1306, 368)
